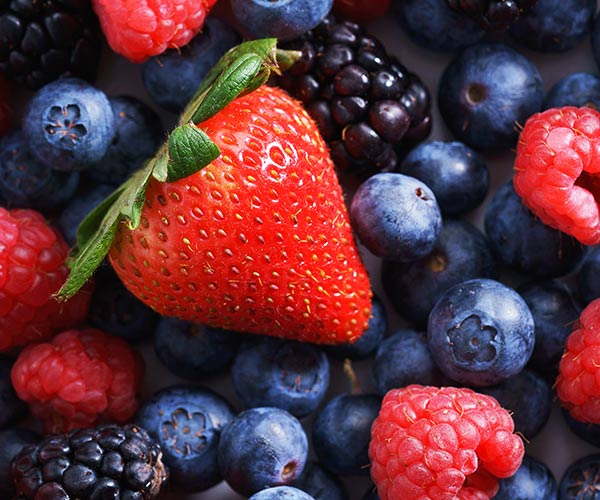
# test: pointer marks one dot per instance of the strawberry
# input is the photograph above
(259, 240)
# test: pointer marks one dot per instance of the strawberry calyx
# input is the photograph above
(186, 150)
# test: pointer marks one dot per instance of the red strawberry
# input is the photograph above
(259, 240)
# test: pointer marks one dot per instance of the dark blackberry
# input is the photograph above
(41, 40)
(368, 106)
(496, 15)
(109, 461)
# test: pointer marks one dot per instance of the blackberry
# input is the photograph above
(109, 461)
(368, 106)
(41, 40)
(496, 15)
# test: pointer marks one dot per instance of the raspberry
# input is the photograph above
(79, 379)
(32, 268)
(578, 381)
(138, 29)
(6, 111)
(441, 444)
(556, 168)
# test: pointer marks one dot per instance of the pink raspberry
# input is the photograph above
(578, 381)
(32, 269)
(557, 167)
(79, 379)
(445, 443)
(139, 29)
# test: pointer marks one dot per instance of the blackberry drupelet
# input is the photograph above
(109, 461)
(495, 15)
(41, 40)
(368, 106)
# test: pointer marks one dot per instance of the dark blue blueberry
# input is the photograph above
(528, 397)
(481, 332)
(588, 277)
(27, 183)
(461, 252)
(596, 39)
(576, 89)
(281, 493)
(321, 484)
(532, 481)
(554, 312)
(172, 78)
(285, 374)
(279, 19)
(341, 432)
(11, 407)
(396, 216)
(485, 91)
(590, 433)
(457, 175)
(79, 207)
(117, 311)
(434, 25)
(193, 351)
(138, 133)
(369, 340)
(555, 25)
(403, 359)
(581, 479)
(262, 447)
(187, 421)
(69, 124)
(520, 239)
(12, 441)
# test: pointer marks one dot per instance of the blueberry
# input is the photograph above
(596, 39)
(576, 89)
(320, 483)
(588, 277)
(137, 135)
(69, 124)
(461, 252)
(117, 311)
(187, 421)
(528, 398)
(280, 19)
(590, 433)
(580, 480)
(396, 216)
(481, 332)
(417, 365)
(554, 312)
(369, 340)
(485, 91)
(172, 78)
(193, 351)
(555, 25)
(84, 201)
(262, 447)
(532, 481)
(12, 441)
(25, 182)
(341, 432)
(434, 25)
(11, 407)
(281, 493)
(281, 373)
(520, 240)
(457, 175)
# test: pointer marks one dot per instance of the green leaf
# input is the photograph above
(90, 224)
(190, 149)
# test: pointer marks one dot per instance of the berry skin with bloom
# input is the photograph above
(577, 383)
(32, 268)
(442, 443)
(556, 170)
(79, 379)
(139, 29)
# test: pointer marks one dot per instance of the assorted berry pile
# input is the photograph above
(261, 278)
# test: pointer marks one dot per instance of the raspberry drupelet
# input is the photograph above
(79, 379)
(442, 444)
